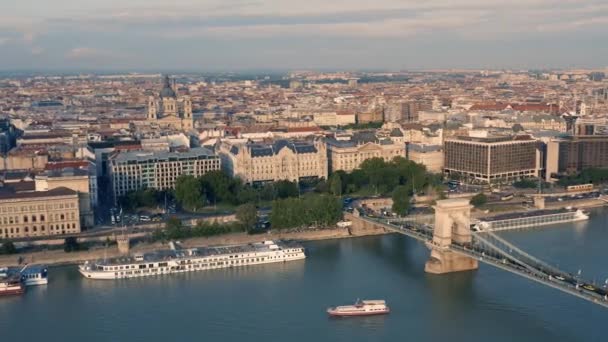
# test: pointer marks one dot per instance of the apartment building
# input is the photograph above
(134, 170)
(490, 159)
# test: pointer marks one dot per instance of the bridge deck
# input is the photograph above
(494, 251)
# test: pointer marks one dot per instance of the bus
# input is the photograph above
(580, 187)
(506, 197)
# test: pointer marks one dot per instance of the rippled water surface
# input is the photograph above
(287, 302)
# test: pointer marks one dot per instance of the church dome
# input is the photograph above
(167, 91)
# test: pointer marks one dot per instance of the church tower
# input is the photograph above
(152, 108)
(167, 110)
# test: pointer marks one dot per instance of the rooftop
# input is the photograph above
(154, 156)
(8, 193)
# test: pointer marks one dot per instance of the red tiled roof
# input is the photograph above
(58, 165)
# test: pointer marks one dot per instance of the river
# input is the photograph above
(287, 302)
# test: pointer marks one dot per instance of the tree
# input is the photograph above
(479, 200)
(174, 229)
(335, 184)
(286, 189)
(247, 214)
(8, 247)
(188, 192)
(401, 200)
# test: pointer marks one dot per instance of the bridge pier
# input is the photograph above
(452, 224)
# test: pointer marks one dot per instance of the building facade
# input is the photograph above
(490, 159)
(78, 180)
(44, 213)
(348, 154)
(167, 110)
(431, 156)
(292, 160)
(572, 155)
(135, 170)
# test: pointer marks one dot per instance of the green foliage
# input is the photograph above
(587, 176)
(401, 200)
(174, 230)
(285, 189)
(71, 244)
(8, 247)
(188, 192)
(378, 177)
(335, 184)
(247, 214)
(525, 184)
(312, 209)
(479, 200)
(142, 198)
(369, 125)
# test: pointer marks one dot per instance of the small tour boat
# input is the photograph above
(10, 285)
(360, 308)
(34, 275)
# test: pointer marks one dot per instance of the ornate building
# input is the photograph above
(167, 110)
(293, 160)
(348, 153)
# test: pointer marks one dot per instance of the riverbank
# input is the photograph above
(59, 257)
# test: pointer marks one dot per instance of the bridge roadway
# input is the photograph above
(490, 249)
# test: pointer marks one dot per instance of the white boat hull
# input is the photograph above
(174, 267)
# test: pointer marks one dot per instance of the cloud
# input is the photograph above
(88, 54)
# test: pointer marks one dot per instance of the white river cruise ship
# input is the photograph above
(192, 259)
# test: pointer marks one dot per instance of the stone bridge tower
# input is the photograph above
(452, 224)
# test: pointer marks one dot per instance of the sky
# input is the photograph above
(238, 35)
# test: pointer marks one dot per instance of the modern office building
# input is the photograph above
(348, 153)
(135, 170)
(292, 160)
(490, 159)
(39, 213)
(573, 154)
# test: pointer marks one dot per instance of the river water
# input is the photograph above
(287, 302)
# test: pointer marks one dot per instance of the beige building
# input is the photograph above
(431, 156)
(25, 159)
(167, 110)
(75, 179)
(292, 160)
(347, 153)
(135, 170)
(46, 213)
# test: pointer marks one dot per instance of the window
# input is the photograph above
(24, 219)
(41, 218)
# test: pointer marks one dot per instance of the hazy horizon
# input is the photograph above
(249, 35)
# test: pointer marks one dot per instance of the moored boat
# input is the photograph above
(34, 275)
(10, 285)
(178, 260)
(360, 308)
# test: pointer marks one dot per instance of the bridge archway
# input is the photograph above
(452, 224)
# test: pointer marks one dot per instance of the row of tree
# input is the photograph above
(216, 187)
(381, 178)
(175, 230)
(591, 175)
(311, 209)
(143, 198)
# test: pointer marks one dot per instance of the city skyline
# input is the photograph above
(274, 35)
